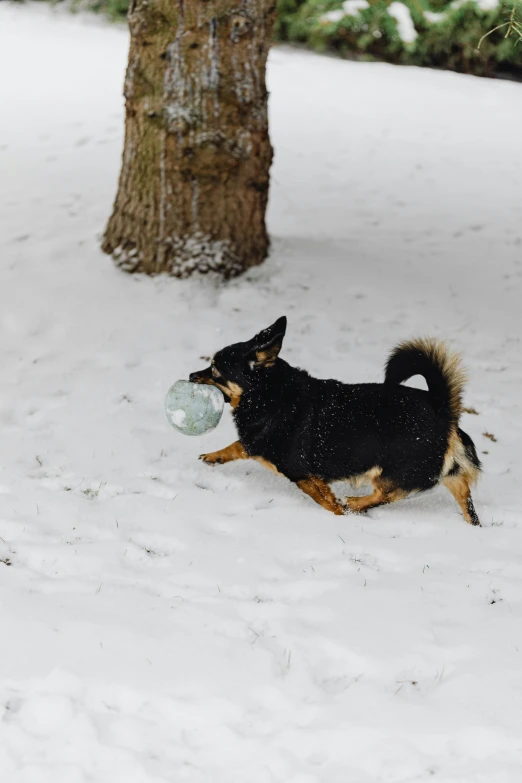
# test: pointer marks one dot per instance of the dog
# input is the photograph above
(399, 439)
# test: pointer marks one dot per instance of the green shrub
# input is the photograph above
(446, 38)
(114, 9)
(453, 42)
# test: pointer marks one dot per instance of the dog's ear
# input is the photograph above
(267, 343)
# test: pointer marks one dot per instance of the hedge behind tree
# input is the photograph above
(410, 32)
(438, 34)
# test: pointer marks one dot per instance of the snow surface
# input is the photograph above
(163, 621)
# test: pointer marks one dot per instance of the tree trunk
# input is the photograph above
(194, 179)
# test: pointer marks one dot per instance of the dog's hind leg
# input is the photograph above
(458, 485)
(235, 451)
(384, 492)
(319, 490)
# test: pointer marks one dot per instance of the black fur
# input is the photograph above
(308, 427)
(405, 364)
(469, 448)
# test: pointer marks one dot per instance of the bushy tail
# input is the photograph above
(440, 367)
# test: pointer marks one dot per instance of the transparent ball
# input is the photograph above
(193, 408)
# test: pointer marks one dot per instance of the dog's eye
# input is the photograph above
(252, 364)
(215, 372)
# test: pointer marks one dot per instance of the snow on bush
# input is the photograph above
(405, 27)
(412, 32)
(433, 33)
(349, 8)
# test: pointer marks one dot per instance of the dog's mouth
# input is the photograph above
(205, 376)
(202, 376)
(232, 391)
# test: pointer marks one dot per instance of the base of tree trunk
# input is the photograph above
(183, 257)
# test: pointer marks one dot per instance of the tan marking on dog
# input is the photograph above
(384, 492)
(235, 451)
(454, 450)
(234, 391)
(220, 386)
(364, 479)
(459, 487)
(268, 356)
(456, 454)
(212, 382)
(319, 491)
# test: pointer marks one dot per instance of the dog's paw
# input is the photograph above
(211, 459)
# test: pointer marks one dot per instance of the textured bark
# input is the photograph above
(194, 179)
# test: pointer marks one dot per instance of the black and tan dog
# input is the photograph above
(399, 439)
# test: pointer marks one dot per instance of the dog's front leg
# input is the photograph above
(322, 494)
(235, 451)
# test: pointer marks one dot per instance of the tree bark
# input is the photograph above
(194, 179)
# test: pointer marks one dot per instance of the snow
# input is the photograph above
(349, 8)
(434, 16)
(163, 621)
(333, 16)
(484, 5)
(352, 7)
(402, 15)
(487, 5)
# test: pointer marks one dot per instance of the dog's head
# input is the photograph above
(241, 366)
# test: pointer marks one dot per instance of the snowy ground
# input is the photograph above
(166, 622)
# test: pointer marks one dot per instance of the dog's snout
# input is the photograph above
(201, 376)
